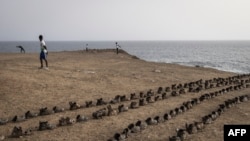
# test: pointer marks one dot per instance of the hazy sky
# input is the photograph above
(125, 19)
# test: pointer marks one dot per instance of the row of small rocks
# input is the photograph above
(45, 125)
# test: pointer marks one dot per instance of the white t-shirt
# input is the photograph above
(42, 44)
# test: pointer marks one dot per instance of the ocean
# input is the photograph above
(232, 56)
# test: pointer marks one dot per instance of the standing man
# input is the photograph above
(117, 46)
(87, 47)
(43, 53)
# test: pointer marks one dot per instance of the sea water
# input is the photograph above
(232, 56)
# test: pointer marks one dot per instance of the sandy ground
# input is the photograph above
(80, 76)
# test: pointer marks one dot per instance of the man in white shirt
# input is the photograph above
(43, 53)
(117, 46)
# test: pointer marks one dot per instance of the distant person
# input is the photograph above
(87, 49)
(21, 49)
(43, 53)
(117, 47)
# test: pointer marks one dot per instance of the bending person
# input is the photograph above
(21, 49)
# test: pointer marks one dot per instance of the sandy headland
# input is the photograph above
(81, 76)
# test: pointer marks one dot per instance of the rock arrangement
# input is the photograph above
(187, 105)
(240, 84)
(195, 127)
(136, 101)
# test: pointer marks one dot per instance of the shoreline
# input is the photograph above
(133, 56)
(161, 51)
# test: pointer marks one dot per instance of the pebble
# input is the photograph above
(2, 138)
(158, 71)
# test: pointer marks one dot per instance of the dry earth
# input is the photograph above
(81, 76)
